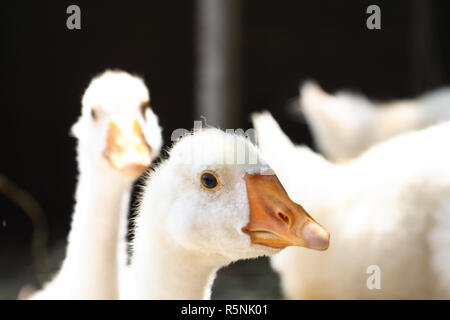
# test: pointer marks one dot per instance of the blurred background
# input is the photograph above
(262, 50)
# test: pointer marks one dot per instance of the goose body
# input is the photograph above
(212, 202)
(388, 208)
(118, 136)
(346, 124)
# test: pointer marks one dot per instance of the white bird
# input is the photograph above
(211, 203)
(118, 136)
(346, 124)
(388, 210)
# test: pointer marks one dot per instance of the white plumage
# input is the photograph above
(113, 132)
(390, 208)
(185, 232)
(346, 124)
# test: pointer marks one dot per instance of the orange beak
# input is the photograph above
(276, 221)
(126, 148)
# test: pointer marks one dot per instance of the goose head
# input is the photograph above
(117, 129)
(215, 196)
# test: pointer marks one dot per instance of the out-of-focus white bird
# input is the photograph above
(389, 208)
(211, 203)
(346, 124)
(118, 136)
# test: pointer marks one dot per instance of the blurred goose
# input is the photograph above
(118, 136)
(387, 210)
(346, 124)
(214, 201)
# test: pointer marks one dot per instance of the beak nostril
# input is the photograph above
(284, 218)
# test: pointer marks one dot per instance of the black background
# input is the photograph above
(46, 67)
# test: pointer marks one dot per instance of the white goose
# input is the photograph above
(346, 124)
(389, 208)
(211, 203)
(118, 136)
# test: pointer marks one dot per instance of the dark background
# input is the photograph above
(46, 67)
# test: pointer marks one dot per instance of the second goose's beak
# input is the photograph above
(276, 221)
(126, 148)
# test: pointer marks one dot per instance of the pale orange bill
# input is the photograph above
(126, 148)
(276, 221)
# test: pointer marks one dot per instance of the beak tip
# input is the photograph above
(317, 237)
(136, 169)
(133, 154)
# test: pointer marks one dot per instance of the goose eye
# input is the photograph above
(144, 107)
(209, 180)
(94, 114)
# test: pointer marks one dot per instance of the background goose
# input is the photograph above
(389, 208)
(211, 203)
(118, 136)
(346, 124)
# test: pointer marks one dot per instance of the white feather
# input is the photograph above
(389, 207)
(346, 124)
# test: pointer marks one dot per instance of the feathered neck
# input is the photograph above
(160, 267)
(91, 257)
